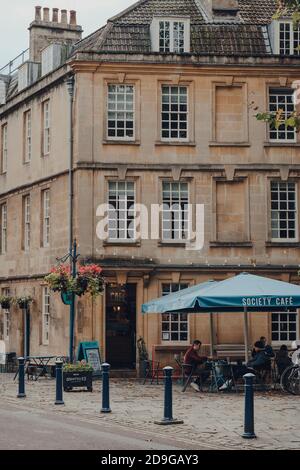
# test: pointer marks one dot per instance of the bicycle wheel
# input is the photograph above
(287, 380)
(294, 381)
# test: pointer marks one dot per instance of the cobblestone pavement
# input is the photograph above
(214, 420)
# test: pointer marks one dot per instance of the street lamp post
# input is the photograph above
(73, 257)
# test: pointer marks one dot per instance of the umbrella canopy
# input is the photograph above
(183, 300)
(247, 291)
(244, 291)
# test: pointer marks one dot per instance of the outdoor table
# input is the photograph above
(41, 363)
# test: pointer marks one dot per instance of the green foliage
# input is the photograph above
(276, 119)
(143, 353)
(290, 8)
(6, 301)
(23, 301)
(79, 367)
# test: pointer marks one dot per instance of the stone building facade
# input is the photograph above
(162, 114)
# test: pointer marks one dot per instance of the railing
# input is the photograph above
(14, 64)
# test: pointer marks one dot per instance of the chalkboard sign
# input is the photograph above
(90, 352)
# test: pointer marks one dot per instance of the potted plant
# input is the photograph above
(6, 301)
(78, 375)
(143, 356)
(24, 301)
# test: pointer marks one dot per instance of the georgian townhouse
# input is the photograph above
(156, 113)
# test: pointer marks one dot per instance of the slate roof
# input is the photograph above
(129, 32)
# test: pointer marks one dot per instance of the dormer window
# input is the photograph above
(170, 35)
(287, 38)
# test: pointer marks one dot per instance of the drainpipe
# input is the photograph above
(70, 87)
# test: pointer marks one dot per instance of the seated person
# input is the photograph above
(282, 359)
(260, 359)
(268, 348)
(197, 365)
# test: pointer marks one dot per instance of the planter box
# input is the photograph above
(78, 379)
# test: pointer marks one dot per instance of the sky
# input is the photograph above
(16, 15)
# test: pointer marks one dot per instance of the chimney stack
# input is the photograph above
(64, 17)
(220, 10)
(55, 30)
(73, 20)
(38, 14)
(55, 15)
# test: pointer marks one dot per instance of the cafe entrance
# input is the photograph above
(121, 326)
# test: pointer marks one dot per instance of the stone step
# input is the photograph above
(123, 373)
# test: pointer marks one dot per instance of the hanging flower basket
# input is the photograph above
(60, 279)
(89, 280)
(6, 301)
(24, 302)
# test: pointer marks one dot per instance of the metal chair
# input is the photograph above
(152, 370)
(222, 372)
(187, 374)
(11, 362)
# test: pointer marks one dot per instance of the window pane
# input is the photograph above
(120, 117)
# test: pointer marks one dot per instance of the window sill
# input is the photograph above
(217, 244)
(270, 244)
(161, 143)
(122, 243)
(229, 144)
(172, 346)
(121, 142)
(180, 244)
(281, 144)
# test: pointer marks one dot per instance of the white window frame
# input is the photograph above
(287, 341)
(6, 317)
(4, 148)
(171, 210)
(46, 218)
(27, 136)
(114, 222)
(46, 127)
(3, 220)
(155, 33)
(45, 315)
(162, 112)
(170, 341)
(287, 210)
(278, 106)
(27, 221)
(111, 105)
(292, 33)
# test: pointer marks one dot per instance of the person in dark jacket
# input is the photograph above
(260, 359)
(267, 347)
(196, 363)
(282, 359)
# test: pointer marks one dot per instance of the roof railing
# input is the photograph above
(14, 64)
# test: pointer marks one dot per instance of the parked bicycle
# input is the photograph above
(290, 378)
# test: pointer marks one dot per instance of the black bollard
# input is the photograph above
(21, 393)
(168, 400)
(249, 408)
(105, 389)
(59, 382)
